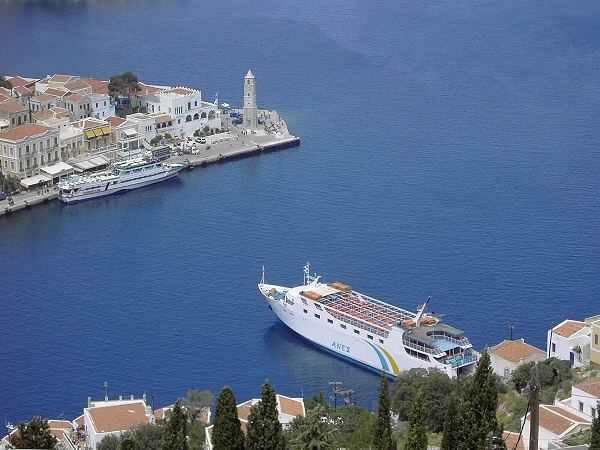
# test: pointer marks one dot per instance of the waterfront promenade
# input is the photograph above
(236, 143)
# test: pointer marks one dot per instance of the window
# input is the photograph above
(329, 320)
(305, 311)
(317, 316)
(572, 357)
(381, 341)
(195, 102)
(553, 347)
(593, 412)
(581, 406)
(595, 339)
(343, 326)
(369, 337)
(356, 331)
(506, 372)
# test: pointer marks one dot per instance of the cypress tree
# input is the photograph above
(382, 438)
(315, 431)
(175, 436)
(264, 428)
(595, 433)
(450, 433)
(416, 439)
(478, 409)
(227, 433)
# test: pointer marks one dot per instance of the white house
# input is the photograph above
(113, 417)
(288, 407)
(584, 398)
(570, 340)
(100, 106)
(508, 355)
(556, 424)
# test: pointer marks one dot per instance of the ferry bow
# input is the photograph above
(371, 332)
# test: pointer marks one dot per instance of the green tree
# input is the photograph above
(595, 431)
(313, 432)
(149, 436)
(10, 183)
(156, 140)
(123, 85)
(195, 401)
(435, 388)
(264, 428)
(110, 442)
(450, 435)
(196, 435)
(34, 434)
(355, 427)
(478, 409)
(317, 399)
(5, 83)
(175, 434)
(416, 438)
(382, 438)
(127, 443)
(227, 432)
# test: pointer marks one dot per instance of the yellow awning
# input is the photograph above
(106, 130)
(98, 132)
(90, 134)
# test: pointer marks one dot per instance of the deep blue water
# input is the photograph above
(449, 149)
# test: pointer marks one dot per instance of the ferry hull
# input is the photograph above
(345, 343)
(122, 187)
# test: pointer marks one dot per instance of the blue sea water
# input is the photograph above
(449, 148)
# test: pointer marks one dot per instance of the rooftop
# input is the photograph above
(106, 419)
(591, 386)
(63, 79)
(557, 420)
(44, 98)
(25, 131)
(510, 438)
(516, 351)
(569, 327)
(12, 107)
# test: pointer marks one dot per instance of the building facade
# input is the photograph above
(595, 340)
(14, 114)
(24, 149)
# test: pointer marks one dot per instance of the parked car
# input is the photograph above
(2, 196)
(200, 140)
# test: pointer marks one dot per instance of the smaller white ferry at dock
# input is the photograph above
(363, 329)
(120, 177)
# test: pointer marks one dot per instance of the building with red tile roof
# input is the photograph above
(508, 355)
(25, 148)
(570, 340)
(556, 424)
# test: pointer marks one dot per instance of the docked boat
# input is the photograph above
(121, 176)
(371, 332)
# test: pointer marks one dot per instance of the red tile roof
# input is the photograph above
(25, 131)
(180, 91)
(4, 98)
(569, 327)
(107, 419)
(162, 118)
(591, 386)
(556, 419)
(12, 107)
(44, 98)
(516, 351)
(114, 121)
(18, 81)
(511, 438)
(98, 86)
(23, 90)
(76, 85)
(291, 406)
(74, 98)
(53, 91)
(57, 78)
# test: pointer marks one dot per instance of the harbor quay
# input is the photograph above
(66, 127)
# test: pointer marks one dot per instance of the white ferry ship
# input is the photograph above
(381, 336)
(121, 176)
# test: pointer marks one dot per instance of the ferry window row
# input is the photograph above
(343, 326)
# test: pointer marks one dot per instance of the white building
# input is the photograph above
(25, 148)
(289, 408)
(250, 111)
(101, 106)
(508, 355)
(570, 340)
(186, 107)
(113, 417)
(584, 398)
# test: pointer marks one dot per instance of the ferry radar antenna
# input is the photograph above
(307, 274)
(262, 280)
(421, 311)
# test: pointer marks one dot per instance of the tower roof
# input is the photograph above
(249, 74)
